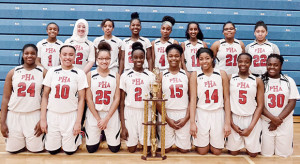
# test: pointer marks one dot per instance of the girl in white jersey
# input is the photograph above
(247, 103)
(63, 103)
(126, 61)
(209, 88)
(134, 85)
(190, 47)
(103, 97)
(281, 94)
(85, 50)
(227, 50)
(159, 45)
(20, 108)
(260, 49)
(48, 49)
(175, 86)
(115, 43)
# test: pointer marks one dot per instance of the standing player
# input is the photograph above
(115, 43)
(85, 51)
(210, 123)
(48, 49)
(227, 50)
(63, 103)
(134, 84)
(247, 103)
(175, 86)
(260, 49)
(126, 61)
(281, 94)
(20, 109)
(190, 47)
(103, 97)
(159, 45)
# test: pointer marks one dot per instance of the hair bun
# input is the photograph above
(135, 15)
(137, 45)
(104, 46)
(169, 19)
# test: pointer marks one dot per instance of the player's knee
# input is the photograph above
(132, 149)
(182, 150)
(114, 149)
(70, 152)
(252, 154)
(215, 151)
(234, 152)
(92, 148)
(202, 151)
(18, 151)
(53, 152)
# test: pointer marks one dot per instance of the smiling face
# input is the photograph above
(244, 63)
(193, 30)
(165, 30)
(273, 67)
(229, 31)
(29, 55)
(205, 61)
(52, 30)
(138, 58)
(260, 33)
(108, 28)
(103, 59)
(135, 27)
(81, 29)
(173, 58)
(67, 57)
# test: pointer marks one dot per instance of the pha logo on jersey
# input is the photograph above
(161, 50)
(50, 50)
(104, 84)
(231, 50)
(210, 84)
(27, 77)
(175, 80)
(259, 50)
(137, 81)
(78, 48)
(194, 50)
(243, 85)
(275, 88)
(64, 79)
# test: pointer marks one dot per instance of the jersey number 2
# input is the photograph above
(79, 57)
(138, 93)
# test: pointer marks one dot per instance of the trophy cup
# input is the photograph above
(154, 155)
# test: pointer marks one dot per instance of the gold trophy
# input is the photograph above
(154, 155)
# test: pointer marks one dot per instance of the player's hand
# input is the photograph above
(77, 128)
(246, 132)
(37, 129)
(4, 129)
(102, 124)
(124, 133)
(193, 130)
(227, 130)
(172, 123)
(180, 123)
(277, 121)
(272, 126)
(236, 128)
(43, 124)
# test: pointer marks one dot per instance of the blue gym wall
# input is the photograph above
(24, 21)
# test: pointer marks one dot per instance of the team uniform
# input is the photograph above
(175, 87)
(103, 90)
(24, 110)
(260, 53)
(192, 64)
(161, 61)
(277, 94)
(85, 52)
(49, 53)
(243, 105)
(115, 44)
(126, 46)
(227, 56)
(136, 85)
(62, 107)
(210, 113)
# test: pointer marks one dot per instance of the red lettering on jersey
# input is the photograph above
(243, 85)
(275, 88)
(137, 81)
(64, 79)
(194, 50)
(104, 84)
(27, 77)
(78, 48)
(175, 80)
(50, 50)
(259, 50)
(161, 50)
(231, 50)
(210, 84)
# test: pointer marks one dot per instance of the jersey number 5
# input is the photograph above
(22, 88)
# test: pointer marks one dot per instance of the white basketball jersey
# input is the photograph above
(209, 90)
(27, 87)
(115, 43)
(64, 84)
(175, 87)
(84, 52)
(127, 47)
(227, 56)
(260, 53)
(161, 61)
(243, 95)
(278, 92)
(136, 85)
(49, 53)
(103, 90)
(190, 50)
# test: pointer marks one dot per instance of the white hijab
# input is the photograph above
(75, 36)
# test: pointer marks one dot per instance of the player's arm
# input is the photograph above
(38, 62)
(149, 58)
(215, 48)
(119, 58)
(193, 103)
(153, 52)
(44, 105)
(183, 57)
(122, 58)
(204, 44)
(7, 89)
(81, 98)
(242, 46)
(226, 97)
(124, 132)
(89, 99)
(91, 59)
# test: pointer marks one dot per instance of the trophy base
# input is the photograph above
(157, 157)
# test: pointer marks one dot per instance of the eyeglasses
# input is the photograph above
(227, 29)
